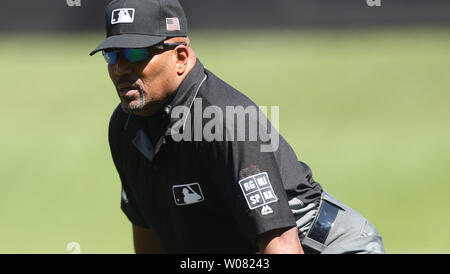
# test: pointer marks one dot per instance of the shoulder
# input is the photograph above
(215, 91)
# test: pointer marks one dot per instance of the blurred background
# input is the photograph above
(363, 92)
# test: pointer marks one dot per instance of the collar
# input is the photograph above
(184, 96)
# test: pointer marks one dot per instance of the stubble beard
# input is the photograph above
(129, 107)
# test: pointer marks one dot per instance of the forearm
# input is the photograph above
(145, 241)
(280, 241)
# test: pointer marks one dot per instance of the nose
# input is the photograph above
(122, 66)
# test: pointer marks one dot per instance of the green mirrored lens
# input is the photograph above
(135, 55)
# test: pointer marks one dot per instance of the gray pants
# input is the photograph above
(333, 227)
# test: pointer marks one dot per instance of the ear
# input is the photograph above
(182, 58)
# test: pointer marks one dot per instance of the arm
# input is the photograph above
(280, 241)
(145, 242)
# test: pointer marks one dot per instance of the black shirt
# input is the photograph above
(205, 196)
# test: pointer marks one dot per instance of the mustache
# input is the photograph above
(126, 80)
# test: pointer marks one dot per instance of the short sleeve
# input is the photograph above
(249, 182)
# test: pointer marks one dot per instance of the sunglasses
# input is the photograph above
(136, 55)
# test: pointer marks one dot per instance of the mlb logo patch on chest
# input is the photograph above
(257, 190)
(187, 194)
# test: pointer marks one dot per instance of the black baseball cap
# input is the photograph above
(142, 23)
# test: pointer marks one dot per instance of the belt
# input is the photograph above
(322, 224)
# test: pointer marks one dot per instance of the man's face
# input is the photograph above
(144, 86)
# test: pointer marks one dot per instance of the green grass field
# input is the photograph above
(368, 110)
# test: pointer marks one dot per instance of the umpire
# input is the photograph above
(198, 194)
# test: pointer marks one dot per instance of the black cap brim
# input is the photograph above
(128, 41)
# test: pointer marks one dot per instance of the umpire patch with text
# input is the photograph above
(257, 190)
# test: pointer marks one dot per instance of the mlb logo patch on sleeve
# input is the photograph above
(257, 190)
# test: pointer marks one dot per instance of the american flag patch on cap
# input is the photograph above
(172, 24)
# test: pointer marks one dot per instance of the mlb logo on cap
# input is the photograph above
(122, 16)
(142, 23)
